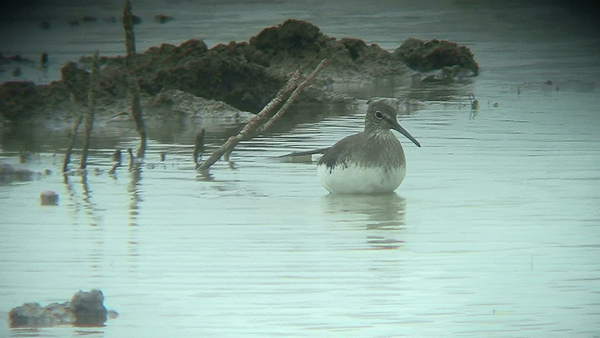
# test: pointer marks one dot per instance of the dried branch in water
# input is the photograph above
(73, 135)
(129, 35)
(254, 125)
(134, 89)
(89, 117)
(89, 114)
(199, 146)
(293, 97)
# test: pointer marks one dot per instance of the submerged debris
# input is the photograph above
(88, 308)
(49, 197)
(85, 308)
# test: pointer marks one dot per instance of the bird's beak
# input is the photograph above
(396, 126)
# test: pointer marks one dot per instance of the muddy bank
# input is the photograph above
(245, 75)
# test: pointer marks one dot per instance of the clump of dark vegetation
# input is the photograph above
(427, 56)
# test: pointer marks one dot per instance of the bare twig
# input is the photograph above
(248, 130)
(199, 146)
(89, 117)
(293, 97)
(73, 135)
(136, 107)
(268, 109)
(253, 124)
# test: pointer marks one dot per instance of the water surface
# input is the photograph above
(494, 232)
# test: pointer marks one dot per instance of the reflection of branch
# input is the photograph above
(135, 171)
(87, 199)
(88, 121)
(252, 128)
(474, 104)
(88, 205)
(72, 136)
(72, 194)
(89, 117)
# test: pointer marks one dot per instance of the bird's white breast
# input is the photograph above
(354, 179)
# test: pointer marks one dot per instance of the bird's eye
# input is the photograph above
(378, 114)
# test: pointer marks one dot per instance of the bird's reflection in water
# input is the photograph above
(382, 215)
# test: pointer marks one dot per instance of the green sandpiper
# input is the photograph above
(370, 162)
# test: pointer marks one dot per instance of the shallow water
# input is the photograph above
(494, 232)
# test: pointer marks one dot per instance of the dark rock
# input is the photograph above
(88, 18)
(49, 198)
(61, 311)
(84, 309)
(74, 23)
(33, 315)
(160, 18)
(16, 72)
(427, 56)
(29, 315)
(88, 308)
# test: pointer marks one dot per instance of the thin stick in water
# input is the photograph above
(228, 146)
(73, 135)
(134, 89)
(199, 146)
(292, 97)
(89, 117)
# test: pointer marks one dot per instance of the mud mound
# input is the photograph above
(245, 75)
(19, 100)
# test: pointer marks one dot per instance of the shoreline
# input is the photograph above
(244, 76)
